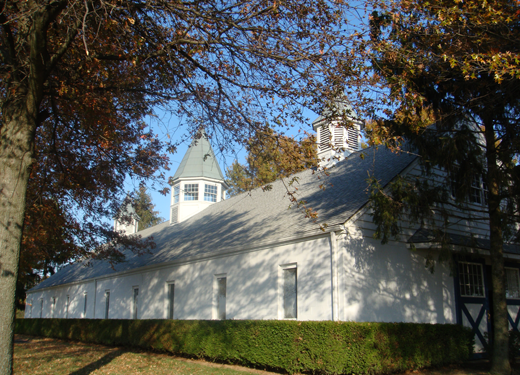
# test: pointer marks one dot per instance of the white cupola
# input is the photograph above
(198, 182)
(338, 132)
(126, 220)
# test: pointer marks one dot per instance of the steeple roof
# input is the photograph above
(336, 107)
(199, 161)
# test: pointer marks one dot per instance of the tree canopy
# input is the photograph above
(450, 74)
(78, 78)
(271, 156)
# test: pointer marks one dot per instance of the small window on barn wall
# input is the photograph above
(53, 306)
(290, 296)
(479, 191)
(471, 279)
(220, 294)
(67, 307)
(107, 303)
(85, 306)
(171, 298)
(135, 302)
(41, 307)
(288, 291)
(512, 283)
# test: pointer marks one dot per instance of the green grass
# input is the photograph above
(36, 355)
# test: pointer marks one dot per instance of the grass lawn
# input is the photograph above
(39, 355)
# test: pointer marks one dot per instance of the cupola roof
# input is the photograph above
(337, 107)
(199, 161)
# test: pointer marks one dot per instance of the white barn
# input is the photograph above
(252, 257)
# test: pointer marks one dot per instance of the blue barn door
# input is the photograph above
(472, 296)
(513, 295)
(474, 300)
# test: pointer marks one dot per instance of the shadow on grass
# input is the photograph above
(105, 360)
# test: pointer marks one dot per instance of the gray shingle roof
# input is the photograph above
(199, 161)
(258, 217)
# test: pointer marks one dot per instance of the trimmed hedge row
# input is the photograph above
(291, 346)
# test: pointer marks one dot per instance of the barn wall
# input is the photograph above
(390, 283)
(387, 283)
(76, 307)
(253, 287)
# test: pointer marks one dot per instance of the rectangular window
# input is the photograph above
(290, 293)
(221, 298)
(107, 303)
(171, 299)
(512, 283)
(41, 307)
(485, 193)
(67, 308)
(53, 306)
(478, 192)
(453, 186)
(135, 303)
(85, 307)
(176, 193)
(210, 193)
(471, 279)
(191, 192)
(475, 195)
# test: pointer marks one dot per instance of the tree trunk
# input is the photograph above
(500, 354)
(16, 154)
(20, 111)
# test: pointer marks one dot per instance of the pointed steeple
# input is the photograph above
(199, 161)
(198, 182)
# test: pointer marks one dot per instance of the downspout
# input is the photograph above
(334, 274)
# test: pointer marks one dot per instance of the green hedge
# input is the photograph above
(291, 346)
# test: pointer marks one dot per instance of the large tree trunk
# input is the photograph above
(17, 131)
(16, 138)
(500, 355)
